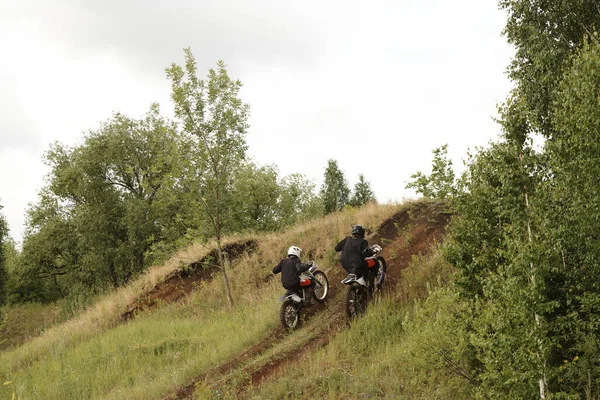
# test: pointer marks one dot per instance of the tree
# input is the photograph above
(362, 192)
(3, 270)
(440, 184)
(545, 35)
(106, 203)
(256, 194)
(489, 245)
(298, 200)
(567, 210)
(525, 239)
(211, 111)
(334, 191)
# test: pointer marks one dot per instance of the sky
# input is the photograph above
(375, 85)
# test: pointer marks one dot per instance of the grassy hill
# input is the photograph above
(171, 333)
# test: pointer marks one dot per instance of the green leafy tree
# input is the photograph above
(12, 261)
(213, 114)
(256, 192)
(298, 201)
(545, 35)
(441, 183)
(3, 269)
(567, 209)
(106, 203)
(491, 249)
(362, 193)
(524, 241)
(334, 191)
(51, 255)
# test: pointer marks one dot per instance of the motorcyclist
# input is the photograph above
(291, 268)
(354, 250)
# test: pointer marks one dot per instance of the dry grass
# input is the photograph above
(92, 333)
(106, 312)
(392, 352)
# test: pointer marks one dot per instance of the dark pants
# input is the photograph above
(298, 289)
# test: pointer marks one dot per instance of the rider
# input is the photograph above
(291, 268)
(354, 250)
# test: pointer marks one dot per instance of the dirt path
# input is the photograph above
(406, 234)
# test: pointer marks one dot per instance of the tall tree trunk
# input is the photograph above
(542, 381)
(224, 272)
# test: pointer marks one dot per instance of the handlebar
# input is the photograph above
(376, 248)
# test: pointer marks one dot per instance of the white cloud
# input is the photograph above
(375, 85)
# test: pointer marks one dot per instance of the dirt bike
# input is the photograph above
(363, 289)
(314, 285)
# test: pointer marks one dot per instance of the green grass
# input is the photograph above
(20, 323)
(96, 356)
(148, 356)
(401, 349)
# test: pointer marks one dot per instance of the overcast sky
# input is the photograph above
(375, 85)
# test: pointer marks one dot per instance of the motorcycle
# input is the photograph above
(312, 283)
(363, 289)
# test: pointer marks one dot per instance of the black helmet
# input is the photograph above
(358, 230)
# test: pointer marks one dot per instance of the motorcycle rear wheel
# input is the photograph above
(356, 301)
(321, 291)
(289, 315)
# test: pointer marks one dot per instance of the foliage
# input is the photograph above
(298, 201)
(568, 216)
(135, 190)
(215, 117)
(334, 191)
(525, 239)
(255, 197)
(106, 203)
(3, 267)
(491, 206)
(545, 35)
(97, 356)
(416, 348)
(362, 193)
(441, 183)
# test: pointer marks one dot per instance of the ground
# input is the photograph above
(405, 235)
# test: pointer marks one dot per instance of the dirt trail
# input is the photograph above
(406, 234)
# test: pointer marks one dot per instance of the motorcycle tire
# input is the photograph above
(321, 291)
(356, 300)
(289, 315)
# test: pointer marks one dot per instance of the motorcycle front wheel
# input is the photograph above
(289, 315)
(356, 301)
(321, 286)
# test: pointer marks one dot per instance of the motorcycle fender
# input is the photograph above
(294, 297)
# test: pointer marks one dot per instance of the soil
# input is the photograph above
(181, 282)
(408, 233)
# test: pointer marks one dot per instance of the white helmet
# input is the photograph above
(294, 251)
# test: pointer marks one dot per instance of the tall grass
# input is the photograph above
(149, 355)
(413, 348)
(22, 322)
(97, 356)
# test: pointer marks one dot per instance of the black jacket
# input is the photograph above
(354, 251)
(290, 269)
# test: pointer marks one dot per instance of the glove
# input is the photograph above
(376, 248)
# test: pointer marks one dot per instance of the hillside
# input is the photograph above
(171, 334)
